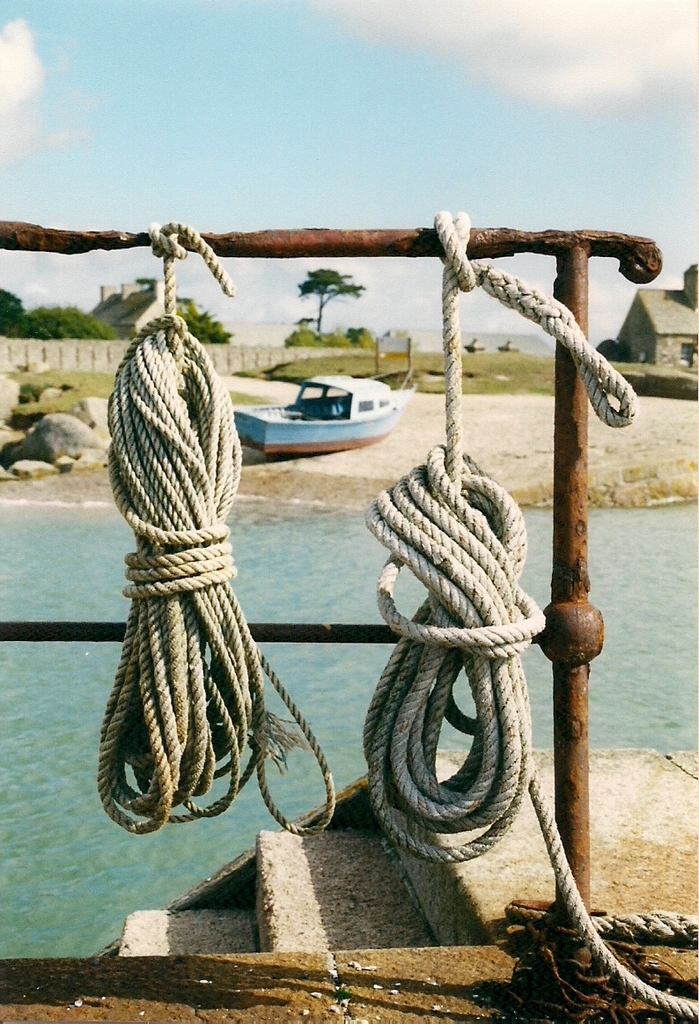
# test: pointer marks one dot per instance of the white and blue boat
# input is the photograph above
(330, 414)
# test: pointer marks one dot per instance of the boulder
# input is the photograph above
(93, 411)
(58, 434)
(5, 475)
(88, 459)
(50, 394)
(10, 440)
(9, 397)
(29, 469)
(64, 463)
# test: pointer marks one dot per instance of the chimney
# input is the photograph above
(106, 292)
(690, 285)
(129, 289)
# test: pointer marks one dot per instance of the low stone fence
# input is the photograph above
(105, 356)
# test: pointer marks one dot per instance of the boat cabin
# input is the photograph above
(342, 398)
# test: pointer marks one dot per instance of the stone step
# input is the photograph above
(338, 890)
(643, 842)
(188, 932)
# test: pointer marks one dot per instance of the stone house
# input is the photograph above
(661, 325)
(130, 308)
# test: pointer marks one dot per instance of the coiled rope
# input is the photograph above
(189, 689)
(464, 538)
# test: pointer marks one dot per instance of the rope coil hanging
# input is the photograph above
(189, 690)
(464, 538)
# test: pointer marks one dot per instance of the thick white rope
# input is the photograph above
(464, 538)
(189, 690)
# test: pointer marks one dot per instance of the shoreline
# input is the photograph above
(653, 462)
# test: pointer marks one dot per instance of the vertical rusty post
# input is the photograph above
(574, 630)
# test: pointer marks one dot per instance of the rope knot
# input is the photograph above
(164, 242)
(180, 571)
(466, 544)
(453, 233)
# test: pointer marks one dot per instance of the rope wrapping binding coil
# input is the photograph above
(464, 538)
(189, 690)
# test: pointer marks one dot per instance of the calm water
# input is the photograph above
(68, 875)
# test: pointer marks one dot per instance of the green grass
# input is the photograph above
(484, 373)
(238, 398)
(75, 385)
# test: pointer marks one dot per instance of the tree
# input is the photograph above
(327, 285)
(202, 325)
(62, 322)
(11, 313)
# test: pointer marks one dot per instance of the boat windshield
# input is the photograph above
(320, 402)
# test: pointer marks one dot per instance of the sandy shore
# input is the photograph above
(510, 436)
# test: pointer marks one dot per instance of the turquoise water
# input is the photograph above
(68, 875)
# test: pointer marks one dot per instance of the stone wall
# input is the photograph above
(669, 348)
(105, 356)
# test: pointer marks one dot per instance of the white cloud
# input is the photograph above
(592, 55)
(21, 83)
(21, 88)
(21, 73)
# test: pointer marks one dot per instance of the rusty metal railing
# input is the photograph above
(574, 630)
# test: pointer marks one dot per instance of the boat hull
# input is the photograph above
(267, 430)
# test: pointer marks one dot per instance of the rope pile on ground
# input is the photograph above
(189, 690)
(464, 538)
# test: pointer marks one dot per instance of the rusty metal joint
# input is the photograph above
(574, 633)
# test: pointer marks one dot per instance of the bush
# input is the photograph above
(29, 392)
(354, 337)
(336, 339)
(202, 325)
(360, 337)
(11, 313)
(302, 337)
(47, 322)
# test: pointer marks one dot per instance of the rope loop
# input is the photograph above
(444, 537)
(188, 697)
(601, 381)
(166, 245)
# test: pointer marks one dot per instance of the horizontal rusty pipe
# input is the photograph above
(262, 632)
(640, 259)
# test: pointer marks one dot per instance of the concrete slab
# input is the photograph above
(212, 931)
(395, 985)
(421, 984)
(254, 987)
(341, 889)
(189, 932)
(643, 838)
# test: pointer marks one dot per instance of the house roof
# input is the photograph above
(119, 312)
(669, 311)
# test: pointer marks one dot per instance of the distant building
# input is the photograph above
(661, 325)
(129, 309)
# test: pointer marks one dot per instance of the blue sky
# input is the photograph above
(250, 114)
